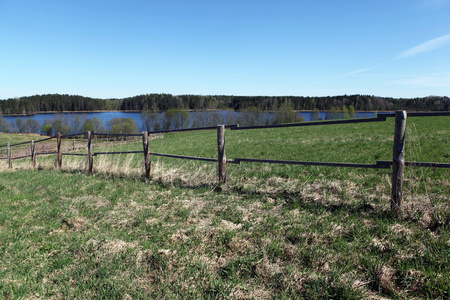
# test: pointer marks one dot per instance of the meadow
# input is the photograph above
(271, 232)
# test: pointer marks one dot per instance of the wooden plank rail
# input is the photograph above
(378, 165)
(426, 164)
(117, 134)
(46, 153)
(417, 114)
(74, 134)
(13, 145)
(20, 157)
(50, 138)
(184, 157)
(314, 123)
(117, 152)
(419, 164)
(192, 129)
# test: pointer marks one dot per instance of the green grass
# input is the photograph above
(18, 138)
(272, 231)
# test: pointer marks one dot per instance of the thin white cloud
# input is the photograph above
(425, 47)
(356, 72)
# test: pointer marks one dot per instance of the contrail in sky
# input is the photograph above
(425, 47)
(356, 72)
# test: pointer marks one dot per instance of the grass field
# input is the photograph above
(273, 231)
(18, 138)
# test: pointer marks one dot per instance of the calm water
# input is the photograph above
(107, 116)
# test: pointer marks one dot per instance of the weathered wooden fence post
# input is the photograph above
(33, 154)
(90, 154)
(58, 141)
(221, 153)
(398, 162)
(147, 162)
(8, 149)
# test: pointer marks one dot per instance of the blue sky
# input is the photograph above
(115, 49)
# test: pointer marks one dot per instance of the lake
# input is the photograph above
(222, 116)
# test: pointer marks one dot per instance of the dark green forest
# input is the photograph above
(164, 102)
(56, 103)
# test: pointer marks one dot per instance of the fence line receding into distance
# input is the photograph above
(398, 162)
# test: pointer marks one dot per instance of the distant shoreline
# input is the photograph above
(66, 112)
(137, 111)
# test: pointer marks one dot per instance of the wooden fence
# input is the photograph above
(398, 161)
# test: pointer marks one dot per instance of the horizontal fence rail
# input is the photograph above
(117, 152)
(185, 157)
(417, 114)
(314, 123)
(117, 134)
(44, 153)
(378, 165)
(426, 164)
(192, 129)
(19, 144)
(74, 134)
(43, 140)
(23, 143)
(20, 157)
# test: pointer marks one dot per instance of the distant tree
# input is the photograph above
(88, 125)
(287, 114)
(351, 111)
(32, 125)
(334, 113)
(47, 129)
(4, 125)
(247, 117)
(60, 125)
(175, 119)
(201, 119)
(20, 125)
(96, 124)
(151, 119)
(345, 113)
(122, 126)
(315, 115)
(75, 123)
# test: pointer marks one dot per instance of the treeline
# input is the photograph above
(56, 103)
(164, 102)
